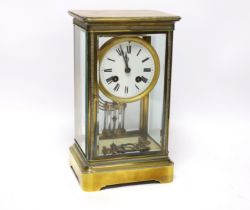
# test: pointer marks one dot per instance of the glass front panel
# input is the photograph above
(80, 86)
(131, 88)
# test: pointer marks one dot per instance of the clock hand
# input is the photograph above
(125, 58)
(127, 70)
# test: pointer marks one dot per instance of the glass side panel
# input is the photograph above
(131, 90)
(156, 110)
(80, 86)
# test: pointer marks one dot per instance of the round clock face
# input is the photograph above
(129, 69)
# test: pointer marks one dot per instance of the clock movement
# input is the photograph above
(122, 71)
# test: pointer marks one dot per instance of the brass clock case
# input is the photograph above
(97, 125)
(114, 41)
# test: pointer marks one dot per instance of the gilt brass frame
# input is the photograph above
(89, 166)
(92, 92)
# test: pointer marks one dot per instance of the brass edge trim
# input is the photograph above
(81, 163)
(124, 19)
(169, 47)
(75, 155)
(125, 28)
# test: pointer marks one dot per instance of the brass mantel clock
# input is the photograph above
(122, 95)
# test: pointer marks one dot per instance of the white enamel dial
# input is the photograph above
(128, 68)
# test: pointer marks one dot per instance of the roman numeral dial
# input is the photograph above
(129, 68)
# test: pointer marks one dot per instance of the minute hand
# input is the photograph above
(125, 58)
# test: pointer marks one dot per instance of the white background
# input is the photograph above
(210, 112)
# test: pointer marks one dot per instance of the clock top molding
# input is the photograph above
(123, 19)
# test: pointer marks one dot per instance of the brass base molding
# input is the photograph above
(94, 178)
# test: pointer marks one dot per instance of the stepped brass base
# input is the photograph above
(96, 177)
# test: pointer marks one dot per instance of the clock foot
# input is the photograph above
(94, 178)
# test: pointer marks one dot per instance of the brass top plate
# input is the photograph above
(100, 16)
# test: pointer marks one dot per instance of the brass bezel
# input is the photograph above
(116, 40)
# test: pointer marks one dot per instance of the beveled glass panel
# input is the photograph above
(80, 86)
(156, 109)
